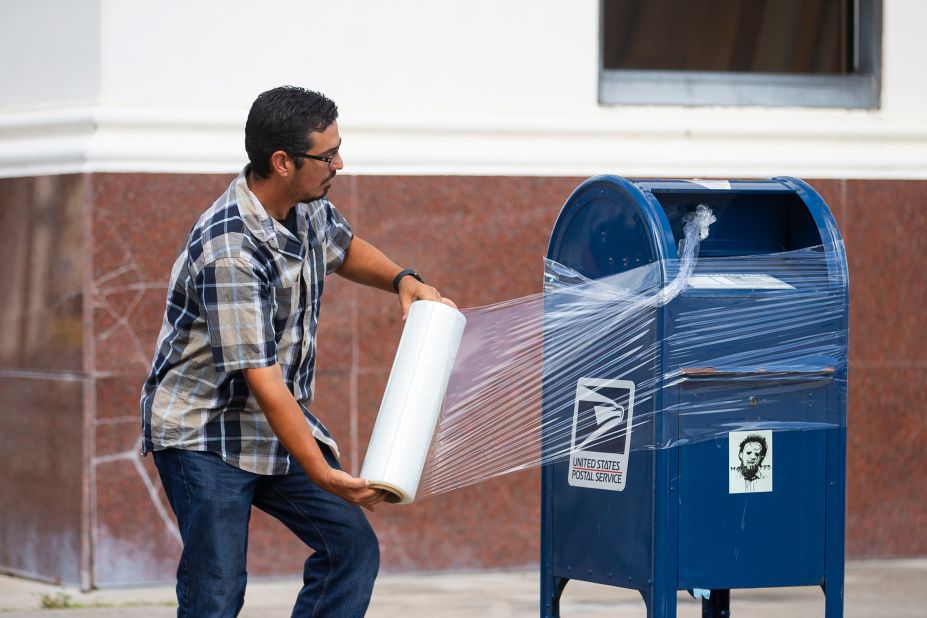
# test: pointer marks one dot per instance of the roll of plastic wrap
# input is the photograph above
(413, 398)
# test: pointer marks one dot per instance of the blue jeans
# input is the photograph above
(212, 501)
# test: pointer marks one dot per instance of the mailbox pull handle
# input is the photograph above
(713, 373)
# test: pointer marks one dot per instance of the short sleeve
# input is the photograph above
(336, 238)
(237, 303)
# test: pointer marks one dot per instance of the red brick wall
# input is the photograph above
(480, 240)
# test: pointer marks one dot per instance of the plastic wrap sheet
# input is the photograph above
(712, 346)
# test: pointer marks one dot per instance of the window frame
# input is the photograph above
(858, 90)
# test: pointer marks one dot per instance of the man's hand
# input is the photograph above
(411, 290)
(354, 490)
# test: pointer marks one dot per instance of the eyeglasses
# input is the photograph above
(326, 159)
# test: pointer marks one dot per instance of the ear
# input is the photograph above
(280, 163)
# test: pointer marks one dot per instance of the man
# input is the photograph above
(225, 410)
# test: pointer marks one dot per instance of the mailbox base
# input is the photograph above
(718, 605)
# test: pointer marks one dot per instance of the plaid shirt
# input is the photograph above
(234, 301)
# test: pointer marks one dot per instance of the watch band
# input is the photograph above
(404, 273)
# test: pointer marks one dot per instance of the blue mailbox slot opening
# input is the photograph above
(747, 223)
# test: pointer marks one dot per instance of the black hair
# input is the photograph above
(758, 439)
(282, 119)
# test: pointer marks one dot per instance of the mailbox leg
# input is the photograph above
(661, 602)
(551, 590)
(718, 605)
(836, 524)
(647, 595)
(833, 596)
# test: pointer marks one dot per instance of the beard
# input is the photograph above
(322, 192)
(306, 199)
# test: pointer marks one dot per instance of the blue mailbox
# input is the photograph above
(729, 469)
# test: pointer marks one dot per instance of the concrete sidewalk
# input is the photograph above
(874, 589)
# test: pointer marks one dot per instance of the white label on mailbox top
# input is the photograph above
(737, 281)
(601, 438)
(724, 185)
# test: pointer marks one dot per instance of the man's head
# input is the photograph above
(752, 452)
(284, 125)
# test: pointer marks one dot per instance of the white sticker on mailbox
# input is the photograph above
(750, 461)
(737, 281)
(724, 185)
(601, 439)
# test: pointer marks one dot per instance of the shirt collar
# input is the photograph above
(262, 226)
(252, 211)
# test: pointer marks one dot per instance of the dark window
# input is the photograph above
(741, 52)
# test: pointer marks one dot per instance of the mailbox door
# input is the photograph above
(735, 533)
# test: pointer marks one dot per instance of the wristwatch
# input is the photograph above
(403, 273)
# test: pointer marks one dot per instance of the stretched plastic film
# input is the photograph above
(671, 353)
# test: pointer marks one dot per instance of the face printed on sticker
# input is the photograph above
(752, 453)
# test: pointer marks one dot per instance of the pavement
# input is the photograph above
(874, 589)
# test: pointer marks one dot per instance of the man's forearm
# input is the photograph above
(367, 265)
(286, 419)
